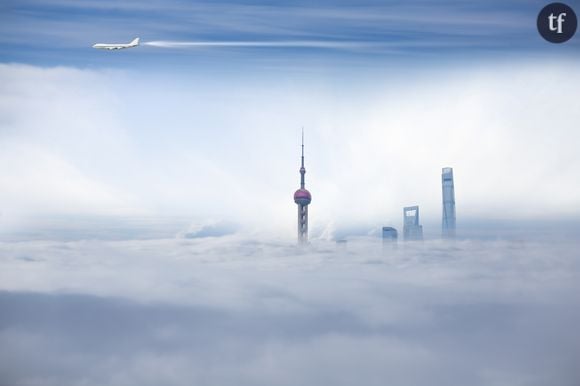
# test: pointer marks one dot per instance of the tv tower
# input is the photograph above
(302, 198)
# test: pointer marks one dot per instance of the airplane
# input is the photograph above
(107, 46)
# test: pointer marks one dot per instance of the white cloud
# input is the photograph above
(42, 181)
(233, 310)
(227, 147)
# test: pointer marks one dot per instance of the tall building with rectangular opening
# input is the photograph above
(412, 230)
(448, 218)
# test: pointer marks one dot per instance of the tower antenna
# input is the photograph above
(302, 198)
(302, 169)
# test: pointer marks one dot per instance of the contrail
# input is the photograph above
(263, 44)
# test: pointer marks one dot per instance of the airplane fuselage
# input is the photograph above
(116, 46)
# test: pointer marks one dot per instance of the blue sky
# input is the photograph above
(209, 133)
(61, 32)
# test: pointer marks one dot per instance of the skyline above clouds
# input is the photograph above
(114, 144)
(212, 133)
(147, 221)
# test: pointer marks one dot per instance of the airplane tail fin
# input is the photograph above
(135, 42)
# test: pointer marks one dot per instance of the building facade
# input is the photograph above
(390, 234)
(412, 229)
(448, 195)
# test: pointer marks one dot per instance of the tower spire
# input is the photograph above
(302, 198)
(302, 169)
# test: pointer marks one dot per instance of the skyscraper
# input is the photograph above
(412, 230)
(389, 234)
(448, 218)
(302, 198)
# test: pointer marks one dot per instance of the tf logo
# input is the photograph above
(557, 22)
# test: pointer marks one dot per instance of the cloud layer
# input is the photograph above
(236, 311)
(226, 148)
